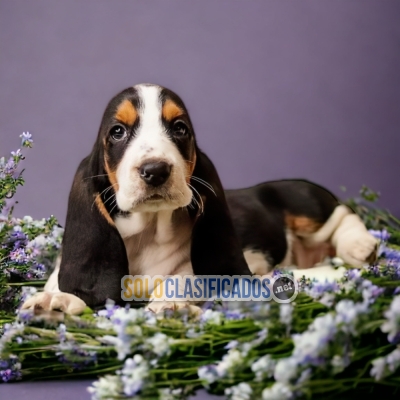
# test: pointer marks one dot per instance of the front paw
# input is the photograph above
(158, 307)
(57, 301)
(357, 247)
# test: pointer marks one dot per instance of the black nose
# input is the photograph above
(155, 174)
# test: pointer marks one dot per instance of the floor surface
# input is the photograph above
(61, 390)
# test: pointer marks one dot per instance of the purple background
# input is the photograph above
(276, 89)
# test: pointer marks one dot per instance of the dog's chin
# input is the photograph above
(152, 203)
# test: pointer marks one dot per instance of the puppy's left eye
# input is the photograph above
(117, 132)
(180, 128)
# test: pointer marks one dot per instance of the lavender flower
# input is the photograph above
(286, 370)
(10, 370)
(385, 366)
(106, 387)
(264, 367)
(324, 292)
(229, 362)
(10, 331)
(338, 363)
(232, 344)
(170, 394)
(353, 275)
(226, 367)
(103, 316)
(122, 344)
(318, 288)
(26, 139)
(304, 377)
(389, 253)
(17, 155)
(238, 311)
(75, 356)
(312, 348)
(121, 319)
(134, 374)
(381, 235)
(19, 256)
(128, 381)
(242, 391)
(348, 314)
(245, 347)
(208, 374)
(7, 168)
(109, 310)
(27, 292)
(234, 315)
(311, 345)
(370, 292)
(212, 317)
(25, 316)
(62, 333)
(18, 238)
(378, 368)
(159, 344)
(286, 314)
(278, 391)
(193, 333)
(123, 316)
(392, 324)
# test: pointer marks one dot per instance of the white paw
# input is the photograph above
(357, 247)
(160, 306)
(48, 301)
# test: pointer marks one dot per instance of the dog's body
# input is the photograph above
(149, 201)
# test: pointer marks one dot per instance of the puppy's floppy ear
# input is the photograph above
(93, 254)
(215, 247)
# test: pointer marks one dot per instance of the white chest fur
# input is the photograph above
(157, 243)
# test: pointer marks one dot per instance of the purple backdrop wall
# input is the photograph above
(276, 89)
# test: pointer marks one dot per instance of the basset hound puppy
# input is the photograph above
(148, 201)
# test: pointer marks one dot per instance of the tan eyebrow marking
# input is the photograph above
(171, 110)
(103, 211)
(126, 113)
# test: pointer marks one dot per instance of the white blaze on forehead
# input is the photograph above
(151, 143)
(150, 112)
(151, 140)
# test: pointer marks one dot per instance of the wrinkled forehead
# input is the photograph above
(144, 102)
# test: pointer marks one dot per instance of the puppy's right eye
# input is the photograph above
(117, 132)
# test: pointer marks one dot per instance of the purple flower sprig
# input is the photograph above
(10, 179)
(392, 323)
(26, 139)
(10, 369)
(29, 247)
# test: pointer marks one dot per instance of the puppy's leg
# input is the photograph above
(346, 232)
(52, 299)
(353, 243)
(158, 306)
(257, 262)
